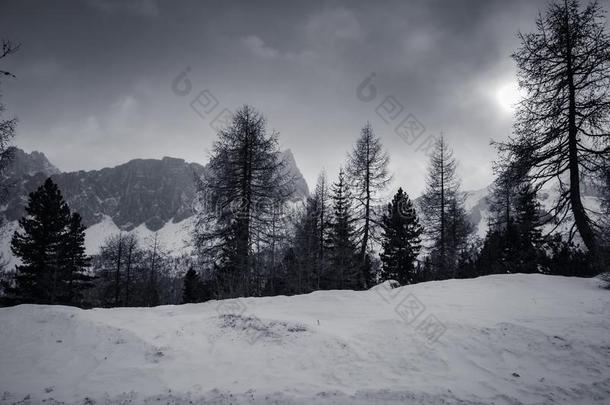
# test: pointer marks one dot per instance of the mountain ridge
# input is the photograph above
(140, 191)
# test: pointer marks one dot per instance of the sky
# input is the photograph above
(101, 82)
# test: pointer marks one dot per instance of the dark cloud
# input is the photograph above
(94, 83)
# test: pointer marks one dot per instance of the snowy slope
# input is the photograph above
(175, 237)
(509, 339)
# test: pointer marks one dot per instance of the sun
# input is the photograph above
(508, 95)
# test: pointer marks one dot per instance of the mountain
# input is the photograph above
(141, 191)
(301, 190)
(143, 196)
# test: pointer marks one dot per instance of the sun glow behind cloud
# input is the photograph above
(507, 95)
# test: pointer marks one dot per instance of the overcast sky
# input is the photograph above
(96, 80)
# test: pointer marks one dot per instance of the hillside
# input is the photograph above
(506, 339)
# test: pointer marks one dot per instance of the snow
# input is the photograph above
(173, 236)
(505, 339)
(6, 233)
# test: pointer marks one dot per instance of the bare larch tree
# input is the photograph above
(561, 129)
(367, 170)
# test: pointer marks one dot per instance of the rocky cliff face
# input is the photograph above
(23, 174)
(141, 191)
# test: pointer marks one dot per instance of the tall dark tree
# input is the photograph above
(343, 258)
(155, 268)
(305, 272)
(561, 132)
(133, 258)
(401, 240)
(367, 170)
(502, 196)
(443, 212)
(529, 253)
(50, 245)
(515, 247)
(245, 180)
(191, 291)
(74, 261)
(324, 224)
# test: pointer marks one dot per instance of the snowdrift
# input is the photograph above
(505, 339)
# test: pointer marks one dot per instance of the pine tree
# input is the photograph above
(75, 262)
(529, 253)
(367, 170)
(306, 249)
(400, 240)
(191, 290)
(324, 224)
(502, 195)
(345, 271)
(50, 245)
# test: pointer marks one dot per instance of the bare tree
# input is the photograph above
(443, 208)
(246, 181)
(7, 126)
(367, 170)
(561, 131)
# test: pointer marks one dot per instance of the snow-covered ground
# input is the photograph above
(506, 339)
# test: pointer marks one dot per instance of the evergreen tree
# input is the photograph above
(501, 197)
(74, 261)
(458, 229)
(518, 246)
(50, 245)
(400, 240)
(324, 224)
(191, 290)
(306, 249)
(367, 170)
(345, 271)
(529, 252)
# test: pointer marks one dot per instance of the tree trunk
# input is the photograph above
(367, 215)
(581, 219)
(117, 280)
(442, 207)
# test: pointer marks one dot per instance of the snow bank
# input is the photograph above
(505, 339)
